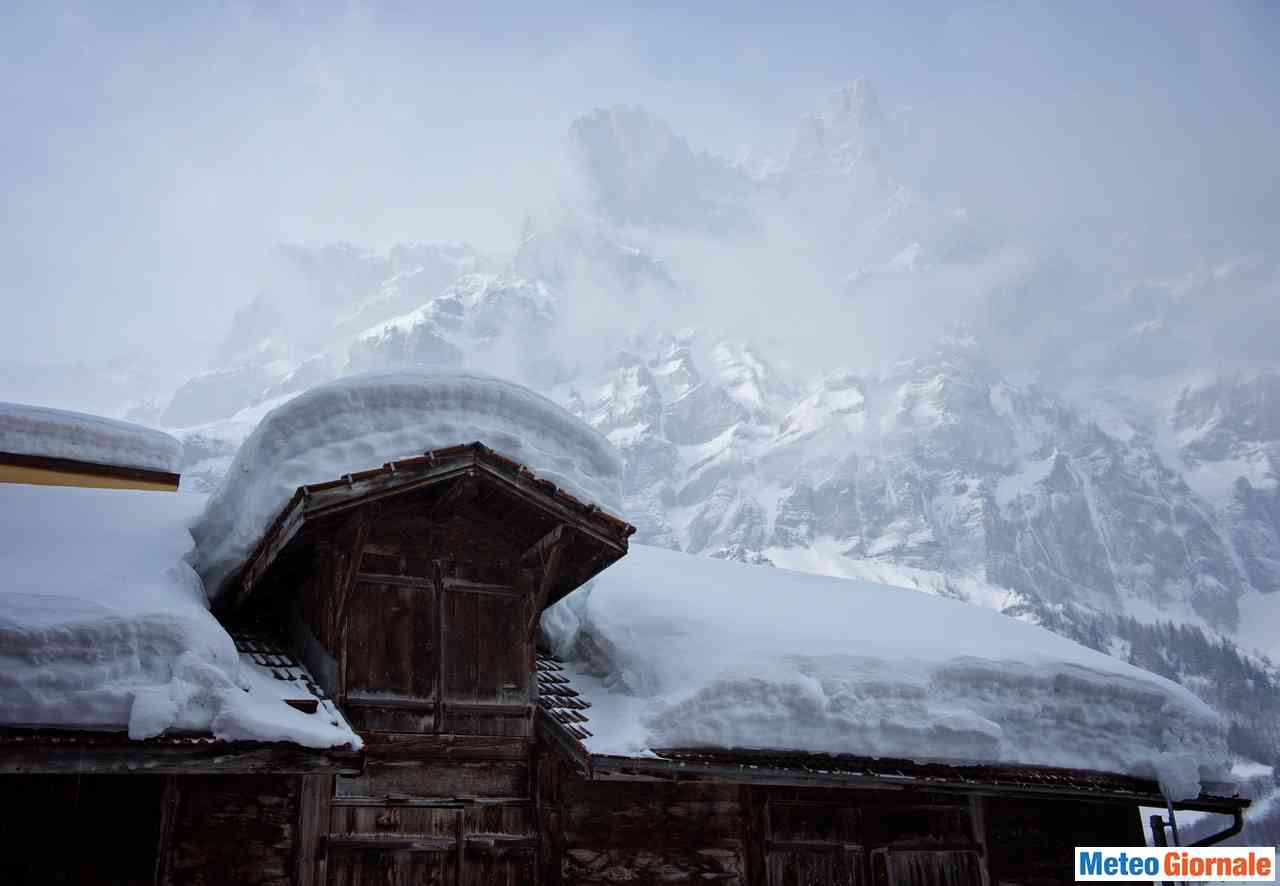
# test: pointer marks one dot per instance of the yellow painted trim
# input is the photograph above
(46, 477)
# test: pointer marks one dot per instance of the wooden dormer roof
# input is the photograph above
(452, 475)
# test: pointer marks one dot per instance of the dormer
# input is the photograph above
(413, 590)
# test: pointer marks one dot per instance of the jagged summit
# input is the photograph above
(635, 169)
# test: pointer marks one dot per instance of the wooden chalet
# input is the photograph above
(409, 598)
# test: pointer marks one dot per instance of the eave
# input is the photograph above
(473, 461)
(42, 470)
(67, 752)
(848, 771)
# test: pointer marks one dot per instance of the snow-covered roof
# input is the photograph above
(104, 626)
(366, 420)
(679, 651)
(56, 433)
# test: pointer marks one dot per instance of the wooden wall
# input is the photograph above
(416, 626)
(437, 810)
(1031, 842)
(230, 829)
(131, 830)
(72, 829)
(597, 832)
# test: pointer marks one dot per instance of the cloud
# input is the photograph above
(152, 158)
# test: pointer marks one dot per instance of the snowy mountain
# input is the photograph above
(813, 365)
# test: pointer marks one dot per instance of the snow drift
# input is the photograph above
(674, 650)
(366, 420)
(104, 626)
(56, 433)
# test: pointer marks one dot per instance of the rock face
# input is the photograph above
(1120, 498)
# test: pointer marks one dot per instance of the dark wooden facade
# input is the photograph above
(682, 826)
(412, 593)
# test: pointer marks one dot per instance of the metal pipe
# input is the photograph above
(1236, 826)
(1159, 839)
(1173, 822)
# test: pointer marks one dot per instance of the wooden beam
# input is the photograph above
(608, 767)
(129, 478)
(282, 531)
(356, 529)
(315, 793)
(199, 757)
(536, 554)
(545, 556)
(168, 815)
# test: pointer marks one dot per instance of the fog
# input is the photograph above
(153, 158)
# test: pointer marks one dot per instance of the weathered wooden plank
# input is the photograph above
(465, 722)
(177, 759)
(812, 822)
(394, 821)
(834, 866)
(168, 815)
(432, 803)
(503, 865)
(381, 868)
(548, 568)
(549, 773)
(390, 746)
(900, 867)
(391, 643)
(368, 719)
(756, 832)
(587, 867)
(446, 778)
(348, 546)
(315, 792)
(621, 814)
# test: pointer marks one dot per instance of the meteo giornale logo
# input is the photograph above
(1224, 864)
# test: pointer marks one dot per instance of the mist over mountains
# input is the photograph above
(809, 360)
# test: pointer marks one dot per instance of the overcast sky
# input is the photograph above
(150, 154)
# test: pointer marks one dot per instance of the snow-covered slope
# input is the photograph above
(681, 651)
(128, 644)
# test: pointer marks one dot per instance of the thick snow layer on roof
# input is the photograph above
(55, 433)
(674, 650)
(105, 626)
(366, 420)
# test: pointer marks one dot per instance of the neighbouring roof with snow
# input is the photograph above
(56, 433)
(104, 626)
(367, 420)
(677, 651)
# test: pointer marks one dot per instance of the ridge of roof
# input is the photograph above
(293, 514)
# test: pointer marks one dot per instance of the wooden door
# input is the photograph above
(816, 866)
(927, 867)
(487, 661)
(391, 657)
(463, 845)
(814, 844)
